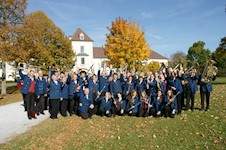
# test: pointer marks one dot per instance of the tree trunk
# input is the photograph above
(3, 78)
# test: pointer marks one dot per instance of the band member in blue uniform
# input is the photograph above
(133, 104)
(177, 87)
(120, 105)
(103, 80)
(140, 85)
(106, 104)
(85, 105)
(74, 90)
(29, 90)
(206, 88)
(160, 104)
(171, 105)
(190, 89)
(129, 87)
(162, 84)
(82, 81)
(40, 90)
(55, 96)
(145, 105)
(152, 88)
(115, 85)
(94, 91)
(64, 95)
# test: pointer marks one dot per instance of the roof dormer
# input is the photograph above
(81, 36)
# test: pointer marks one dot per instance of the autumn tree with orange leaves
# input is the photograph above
(126, 44)
(45, 43)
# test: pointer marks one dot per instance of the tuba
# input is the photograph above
(209, 71)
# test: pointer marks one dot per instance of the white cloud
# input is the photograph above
(146, 15)
(158, 37)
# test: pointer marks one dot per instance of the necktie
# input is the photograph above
(94, 87)
(119, 105)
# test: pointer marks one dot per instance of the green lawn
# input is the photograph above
(191, 130)
(220, 80)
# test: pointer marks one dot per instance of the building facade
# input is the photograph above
(87, 55)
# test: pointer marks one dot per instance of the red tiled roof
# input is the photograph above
(75, 36)
(98, 52)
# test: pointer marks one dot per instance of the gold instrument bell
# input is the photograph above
(210, 71)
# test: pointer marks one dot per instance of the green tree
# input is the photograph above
(12, 14)
(44, 42)
(220, 57)
(126, 44)
(199, 54)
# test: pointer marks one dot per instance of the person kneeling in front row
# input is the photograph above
(86, 105)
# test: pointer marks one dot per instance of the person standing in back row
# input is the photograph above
(55, 96)
(40, 90)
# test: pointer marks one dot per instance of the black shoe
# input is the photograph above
(53, 117)
(29, 118)
(42, 113)
(70, 114)
(38, 114)
(206, 109)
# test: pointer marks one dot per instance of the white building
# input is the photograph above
(88, 55)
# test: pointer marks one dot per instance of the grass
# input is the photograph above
(191, 130)
(11, 98)
(220, 80)
(13, 95)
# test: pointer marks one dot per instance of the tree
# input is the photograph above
(44, 43)
(12, 13)
(178, 57)
(126, 44)
(220, 57)
(197, 53)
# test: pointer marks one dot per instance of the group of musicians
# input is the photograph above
(82, 93)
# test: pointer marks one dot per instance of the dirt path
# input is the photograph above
(14, 121)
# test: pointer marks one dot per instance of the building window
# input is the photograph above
(102, 64)
(82, 61)
(82, 49)
(81, 36)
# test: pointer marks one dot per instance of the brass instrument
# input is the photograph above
(178, 65)
(162, 66)
(192, 68)
(209, 71)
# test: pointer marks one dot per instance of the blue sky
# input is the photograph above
(169, 25)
